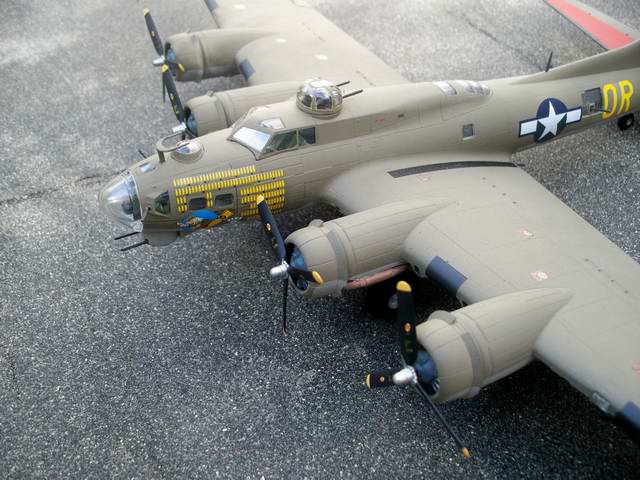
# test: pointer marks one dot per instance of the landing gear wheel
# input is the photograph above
(382, 298)
(626, 122)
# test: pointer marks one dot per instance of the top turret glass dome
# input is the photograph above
(319, 97)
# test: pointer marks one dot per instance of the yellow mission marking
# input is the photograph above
(253, 199)
(235, 182)
(254, 184)
(211, 177)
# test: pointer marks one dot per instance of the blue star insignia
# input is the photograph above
(553, 116)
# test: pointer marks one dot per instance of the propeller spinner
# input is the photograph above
(284, 269)
(418, 367)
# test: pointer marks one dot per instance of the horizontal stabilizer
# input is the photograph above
(604, 30)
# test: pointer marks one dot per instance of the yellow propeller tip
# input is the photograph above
(164, 68)
(146, 11)
(367, 381)
(181, 67)
(317, 278)
(259, 199)
(466, 452)
(403, 287)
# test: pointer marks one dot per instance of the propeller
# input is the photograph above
(167, 67)
(169, 86)
(418, 367)
(153, 32)
(284, 269)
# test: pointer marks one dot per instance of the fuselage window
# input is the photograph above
(282, 141)
(224, 200)
(197, 203)
(468, 131)
(307, 136)
(592, 101)
(161, 204)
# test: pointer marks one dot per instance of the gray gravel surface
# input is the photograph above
(169, 362)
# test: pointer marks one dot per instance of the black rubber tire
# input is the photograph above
(626, 122)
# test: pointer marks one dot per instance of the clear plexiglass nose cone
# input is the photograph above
(120, 199)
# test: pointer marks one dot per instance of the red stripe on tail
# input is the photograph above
(603, 33)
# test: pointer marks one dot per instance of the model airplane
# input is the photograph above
(423, 174)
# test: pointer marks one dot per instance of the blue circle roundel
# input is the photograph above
(551, 119)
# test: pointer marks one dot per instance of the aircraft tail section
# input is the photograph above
(625, 58)
(606, 31)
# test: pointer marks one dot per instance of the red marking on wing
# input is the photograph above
(603, 33)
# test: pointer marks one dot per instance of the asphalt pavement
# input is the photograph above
(169, 362)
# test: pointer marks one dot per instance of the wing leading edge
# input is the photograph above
(304, 45)
(504, 233)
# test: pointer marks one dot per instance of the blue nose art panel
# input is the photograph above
(445, 275)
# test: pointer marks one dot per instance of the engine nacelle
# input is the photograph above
(209, 53)
(481, 343)
(357, 245)
(215, 111)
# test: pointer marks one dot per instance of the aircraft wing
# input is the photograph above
(503, 232)
(304, 45)
(603, 29)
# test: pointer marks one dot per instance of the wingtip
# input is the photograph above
(403, 286)
(367, 381)
(145, 11)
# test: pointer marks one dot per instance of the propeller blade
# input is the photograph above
(309, 276)
(456, 438)
(271, 228)
(406, 324)
(380, 379)
(153, 32)
(169, 84)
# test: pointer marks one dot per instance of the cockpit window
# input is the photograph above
(282, 141)
(254, 139)
(307, 136)
(161, 204)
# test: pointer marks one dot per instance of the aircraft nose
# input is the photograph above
(120, 200)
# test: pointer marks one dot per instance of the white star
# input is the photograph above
(551, 122)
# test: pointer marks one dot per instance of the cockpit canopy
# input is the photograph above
(270, 129)
(319, 97)
(265, 132)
